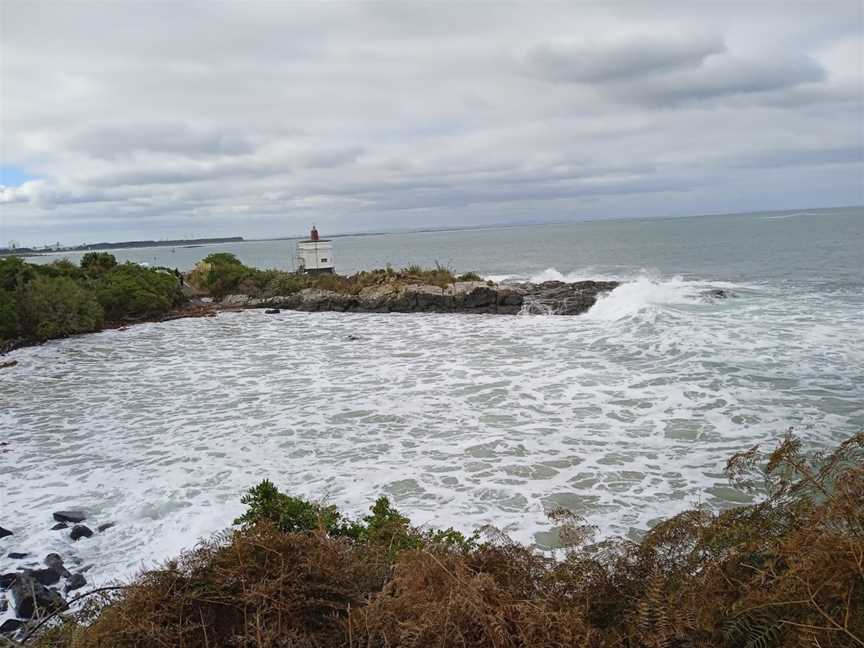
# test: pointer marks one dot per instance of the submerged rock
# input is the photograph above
(105, 527)
(717, 293)
(59, 525)
(6, 580)
(53, 560)
(31, 598)
(70, 516)
(80, 531)
(47, 576)
(76, 581)
(5, 532)
(272, 311)
(15, 555)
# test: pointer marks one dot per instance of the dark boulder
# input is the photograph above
(6, 580)
(32, 598)
(76, 581)
(5, 532)
(105, 527)
(47, 576)
(80, 531)
(54, 560)
(70, 516)
(11, 625)
(716, 293)
(562, 298)
(14, 555)
(272, 311)
(60, 525)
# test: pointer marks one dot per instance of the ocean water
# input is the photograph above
(624, 415)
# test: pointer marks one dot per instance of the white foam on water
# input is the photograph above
(625, 415)
(585, 274)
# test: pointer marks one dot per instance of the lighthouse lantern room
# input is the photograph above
(315, 255)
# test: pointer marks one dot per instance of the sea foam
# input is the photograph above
(624, 415)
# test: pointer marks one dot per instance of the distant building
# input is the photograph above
(315, 255)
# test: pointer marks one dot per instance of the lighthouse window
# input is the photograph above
(323, 260)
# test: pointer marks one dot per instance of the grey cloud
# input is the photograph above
(242, 117)
(727, 76)
(802, 157)
(599, 63)
(109, 141)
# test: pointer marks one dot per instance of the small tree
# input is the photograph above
(96, 263)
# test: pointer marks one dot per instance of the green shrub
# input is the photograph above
(56, 307)
(130, 291)
(221, 274)
(14, 272)
(98, 262)
(8, 315)
(385, 526)
(286, 513)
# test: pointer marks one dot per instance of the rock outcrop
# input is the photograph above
(31, 598)
(70, 516)
(551, 297)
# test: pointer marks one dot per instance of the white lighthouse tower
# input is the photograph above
(315, 255)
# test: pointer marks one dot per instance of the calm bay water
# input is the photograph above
(625, 414)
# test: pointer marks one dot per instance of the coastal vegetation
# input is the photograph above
(39, 302)
(786, 571)
(44, 301)
(223, 274)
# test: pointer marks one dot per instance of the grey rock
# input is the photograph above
(716, 293)
(31, 598)
(75, 581)
(14, 555)
(70, 516)
(59, 525)
(551, 297)
(480, 297)
(236, 300)
(47, 576)
(5, 532)
(53, 560)
(561, 298)
(105, 527)
(80, 531)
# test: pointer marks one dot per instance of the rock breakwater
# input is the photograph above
(548, 298)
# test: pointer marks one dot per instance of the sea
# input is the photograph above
(624, 415)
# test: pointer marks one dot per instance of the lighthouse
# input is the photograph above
(315, 255)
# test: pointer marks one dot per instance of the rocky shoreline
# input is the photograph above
(546, 298)
(478, 297)
(39, 588)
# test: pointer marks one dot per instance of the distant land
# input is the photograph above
(31, 251)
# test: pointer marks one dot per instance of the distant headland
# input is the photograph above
(89, 247)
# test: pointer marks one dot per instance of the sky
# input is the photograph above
(133, 120)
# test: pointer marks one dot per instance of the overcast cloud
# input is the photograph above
(130, 120)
